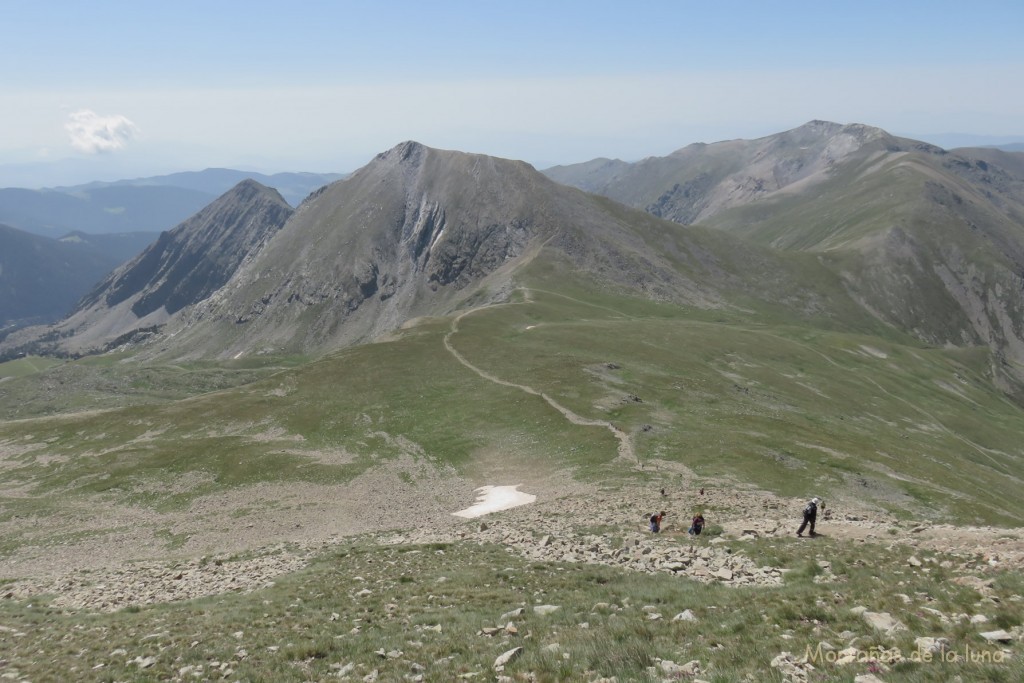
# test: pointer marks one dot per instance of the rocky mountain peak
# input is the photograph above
(248, 189)
(183, 267)
(409, 152)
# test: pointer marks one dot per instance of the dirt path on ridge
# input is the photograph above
(625, 448)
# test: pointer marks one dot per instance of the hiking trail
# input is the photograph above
(625, 448)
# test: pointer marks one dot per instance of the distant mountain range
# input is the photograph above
(41, 279)
(842, 225)
(140, 205)
(293, 187)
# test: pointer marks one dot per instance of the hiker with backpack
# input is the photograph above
(697, 526)
(656, 521)
(810, 516)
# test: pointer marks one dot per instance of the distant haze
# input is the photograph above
(324, 88)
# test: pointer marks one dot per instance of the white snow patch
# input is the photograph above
(494, 498)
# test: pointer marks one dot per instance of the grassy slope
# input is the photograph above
(408, 610)
(761, 398)
(789, 407)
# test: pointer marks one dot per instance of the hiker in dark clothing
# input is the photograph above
(810, 516)
(697, 526)
(656, 521)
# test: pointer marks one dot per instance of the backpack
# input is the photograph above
(811, 509)
(654, 519)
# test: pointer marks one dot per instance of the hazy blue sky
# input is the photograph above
(144, 87)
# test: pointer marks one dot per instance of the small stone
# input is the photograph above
(913, 561)
(670, 668)
(685, 615)
(883, 621)
(867, 678)
(932, 645)
(145, 662)
(999, 636)
(506, 657)
(543, 610)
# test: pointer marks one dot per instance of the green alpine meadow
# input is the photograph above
(240, 456)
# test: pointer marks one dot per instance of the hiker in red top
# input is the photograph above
(656, 522)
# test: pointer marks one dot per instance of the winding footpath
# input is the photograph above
(625, 448)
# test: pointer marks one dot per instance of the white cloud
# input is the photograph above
(92, 133)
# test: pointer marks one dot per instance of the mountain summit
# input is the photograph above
(183, 267)
(413, 233)
(699, 180)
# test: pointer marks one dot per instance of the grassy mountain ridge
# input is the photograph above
(930, 242)
(925, 250)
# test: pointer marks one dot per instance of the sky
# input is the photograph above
(105, 89)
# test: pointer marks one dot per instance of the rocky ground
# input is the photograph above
(570, 522)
